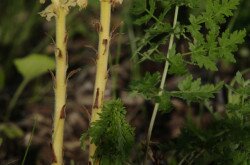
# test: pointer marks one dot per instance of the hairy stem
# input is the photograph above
(101, 70)
(163, 80)
(60, 86)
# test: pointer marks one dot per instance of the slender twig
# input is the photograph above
(155, 18)
(163, 80)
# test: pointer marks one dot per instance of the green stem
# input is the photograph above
(163, 80)
(14, 99)
(155, 18)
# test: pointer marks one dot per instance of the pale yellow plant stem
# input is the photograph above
(163, 80)
(102, 65)
(60, 86)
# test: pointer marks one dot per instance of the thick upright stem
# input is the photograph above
(102, 65)
(60, 86)
(163, 80)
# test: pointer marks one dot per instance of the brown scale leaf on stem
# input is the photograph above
(53, 78)
(105, 43)
(52, 39)
(66, 42)
(108, 74)
(96, 103)
(63, 113)
(53, 155)
(57, 50)
(59, 53)
(66, 38)
(105, 82)
(106, 77)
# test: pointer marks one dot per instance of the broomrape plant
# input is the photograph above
(108, 119)
(110, 136)
(102, 65)
(59, 9)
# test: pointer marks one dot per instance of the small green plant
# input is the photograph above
(29, 67)
(224, 141)
(111, 134)
(207, 45)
